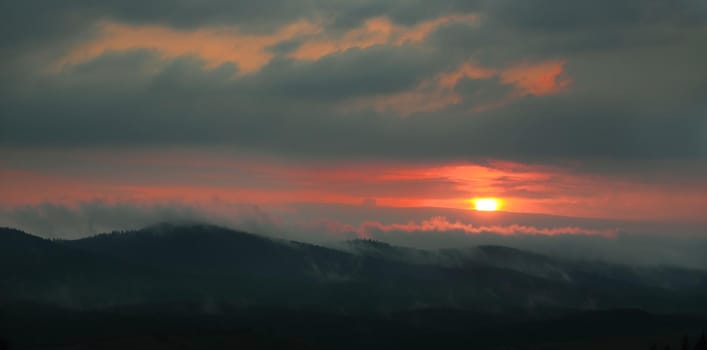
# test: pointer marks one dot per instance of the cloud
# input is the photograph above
(440, 224)
(118, 114)
(525, 79)
(375, 31)
(576, 239)
(249, 51)
(90, 218)
(539, 79)
(55, 220)
(205, 176)
(215, 46)
(597, 109)
(573, 239)
(171, 79)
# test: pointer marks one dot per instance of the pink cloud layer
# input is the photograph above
(440, 224)
(205, 178)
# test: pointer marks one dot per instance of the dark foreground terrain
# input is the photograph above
(213, 327)
(205, 287)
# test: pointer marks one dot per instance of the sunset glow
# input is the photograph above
(349, 109)
(486, 204)
(393, 172)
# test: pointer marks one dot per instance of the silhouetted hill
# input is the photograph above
(213, 265)
(34, 268)
(195, 286)
(11, 238)
(381, 250)
(256, 270)
(212, 250)
(664, 287)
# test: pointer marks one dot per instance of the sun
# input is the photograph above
(486, 204)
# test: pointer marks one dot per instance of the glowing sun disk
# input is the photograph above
(486, 204)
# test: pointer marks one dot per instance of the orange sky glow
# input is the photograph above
(206, 179)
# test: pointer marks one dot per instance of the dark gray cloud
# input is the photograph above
(634, 110)
(41, 21)
(637, 91)
(355, 73)
(553, 15)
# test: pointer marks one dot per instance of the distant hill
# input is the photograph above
(589, 274)
(209, 264)
(216, 251)
(36, 269)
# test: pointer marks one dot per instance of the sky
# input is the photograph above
(364, 118)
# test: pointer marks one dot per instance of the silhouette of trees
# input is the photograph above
(702, 342)
(685, 343)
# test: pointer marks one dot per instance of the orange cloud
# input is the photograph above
(468, 70)
(542, 78)
(375, 31)
(219, 45)
(442, 224)
(215, 46)
(426, 97)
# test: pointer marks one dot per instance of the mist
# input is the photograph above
(569, 238)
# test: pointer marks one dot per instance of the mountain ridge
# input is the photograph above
(202, 261)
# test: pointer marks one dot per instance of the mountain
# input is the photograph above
(580, 272)
(216, 251)
(203, 286)
(626, 285)
(209, 264)
(37, 269)
(254, 270)
(223, 264)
